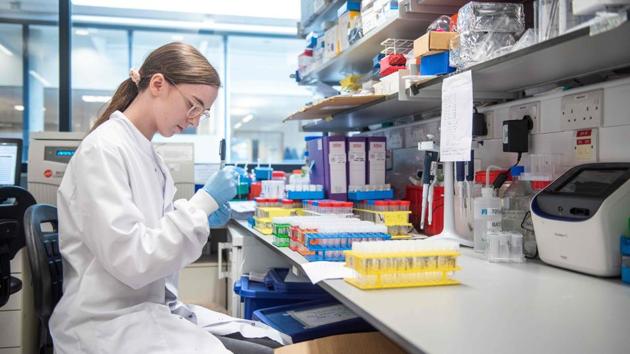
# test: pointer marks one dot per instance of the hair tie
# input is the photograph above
(134, 75)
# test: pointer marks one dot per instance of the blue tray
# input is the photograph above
(279, 318)
(374, 195)
(256, 295)
(305, 195)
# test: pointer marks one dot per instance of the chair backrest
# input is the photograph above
(42, 243)
(13, 204)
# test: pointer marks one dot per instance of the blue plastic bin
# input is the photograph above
(256, 295)
(279, 318)
(275, 280)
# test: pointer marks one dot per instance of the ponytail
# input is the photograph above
(124, 95)
(180, 63)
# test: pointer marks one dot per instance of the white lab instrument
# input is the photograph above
(180, 159)
(118, 235)
(579, 217)
(48, 156)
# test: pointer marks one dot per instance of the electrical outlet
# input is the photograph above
(532, 110)
(583, 110)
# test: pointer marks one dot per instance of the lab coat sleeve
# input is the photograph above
(114, 227)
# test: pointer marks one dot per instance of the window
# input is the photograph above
(261, 95)
(44, 78)
(11, 105)
(100, 62)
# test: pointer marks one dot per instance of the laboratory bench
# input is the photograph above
(498, 308)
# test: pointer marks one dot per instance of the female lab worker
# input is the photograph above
(122, 238)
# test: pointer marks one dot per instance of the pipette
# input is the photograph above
(434, 168)
(429, 158)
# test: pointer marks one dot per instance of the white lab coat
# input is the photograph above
(123, 242)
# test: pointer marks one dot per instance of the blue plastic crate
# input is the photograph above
(275, 280)
(256, 295)
(280, 319)
(305, 195)
(373, 195)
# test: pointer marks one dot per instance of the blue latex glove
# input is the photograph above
(222, 185)
(220, 217)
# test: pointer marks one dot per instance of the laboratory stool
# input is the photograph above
(42, 243)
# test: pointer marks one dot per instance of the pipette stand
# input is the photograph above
(449, 209)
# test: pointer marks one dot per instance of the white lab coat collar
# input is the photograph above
(143, 142)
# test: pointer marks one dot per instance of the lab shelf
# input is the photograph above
(358, 57)
(559, 60)
(332, 105)
(315, 21)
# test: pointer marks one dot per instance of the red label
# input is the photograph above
(584, 141)
(583, 133)
(357, 145)
(48, 173)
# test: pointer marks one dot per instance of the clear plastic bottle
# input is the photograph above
(487, 217)
(514, 208)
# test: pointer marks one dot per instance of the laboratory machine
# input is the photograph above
(579, 217)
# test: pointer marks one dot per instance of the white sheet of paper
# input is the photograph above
(456, 123)
(243, 207)
(322, 315)
(318, 271)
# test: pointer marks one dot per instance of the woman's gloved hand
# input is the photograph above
(220, 217)
(222, 185)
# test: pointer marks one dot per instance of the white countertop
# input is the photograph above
(499, 308)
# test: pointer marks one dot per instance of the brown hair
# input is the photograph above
(180, 63)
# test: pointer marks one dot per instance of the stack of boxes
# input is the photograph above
(431, 51)
(338, 161)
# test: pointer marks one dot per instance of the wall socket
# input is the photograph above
(582, 110)
(489, 115)
(531, 109)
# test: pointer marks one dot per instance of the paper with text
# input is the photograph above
(456, 122)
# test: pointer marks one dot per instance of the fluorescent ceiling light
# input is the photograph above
(238, 125)
(18, 107)
(278, 9)
(39, 78)
(248, 118)
(95, 99)
(190, 25)
(6, 50)
(81, 32)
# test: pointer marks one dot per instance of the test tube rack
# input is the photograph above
(330, 247)
(264, 216)
(397, 222)
(401, 269)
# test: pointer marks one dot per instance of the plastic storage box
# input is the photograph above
(312, 319)
(257, 295)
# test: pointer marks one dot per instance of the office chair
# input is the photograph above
(13, 204)
(42, 243)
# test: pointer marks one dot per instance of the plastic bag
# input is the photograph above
(491, 17)
(528, 38)
(441, 24)
(470, 48)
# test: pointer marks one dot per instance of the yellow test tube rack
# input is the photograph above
(401, 269)
(394, 220)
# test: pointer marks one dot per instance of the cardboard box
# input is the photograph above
(357, 161)
(331, 47)
(345, 23)
(355, 343)
(431, 43)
